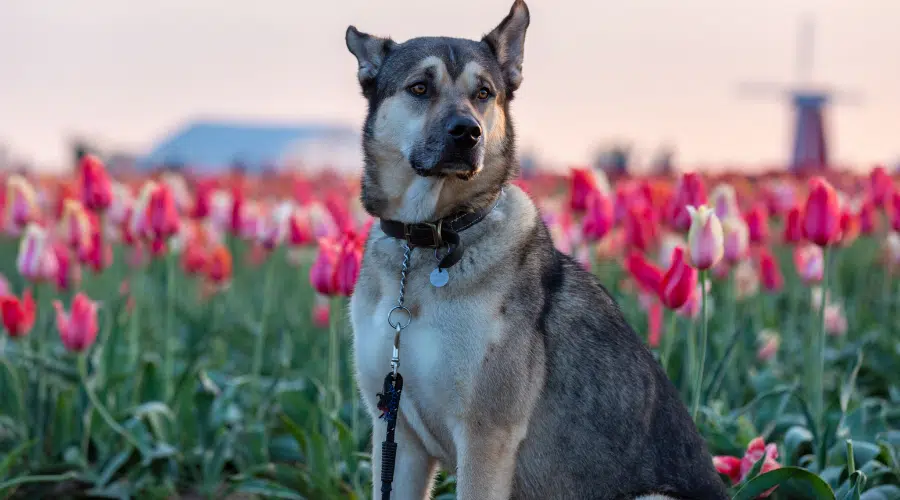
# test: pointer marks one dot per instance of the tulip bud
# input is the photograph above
(705, 238)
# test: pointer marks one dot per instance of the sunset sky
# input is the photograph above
(127, 72)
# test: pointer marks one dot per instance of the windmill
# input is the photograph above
(809, 146)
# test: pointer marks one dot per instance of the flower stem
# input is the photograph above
(698, 385)
(669, 341)
(266, 306)
(170, 340)
(334, 353)
(818, 373)
(98, 406)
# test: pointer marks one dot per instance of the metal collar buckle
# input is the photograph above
(435, 229)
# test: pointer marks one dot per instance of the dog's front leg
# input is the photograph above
(486, 460)
(413, 471)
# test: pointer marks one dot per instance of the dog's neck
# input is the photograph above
(429, 199)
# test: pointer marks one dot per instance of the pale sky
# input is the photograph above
(650, 71)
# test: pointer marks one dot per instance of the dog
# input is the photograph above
(520, 372)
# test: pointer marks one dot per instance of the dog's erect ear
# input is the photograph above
(370, 52)
(507, 41)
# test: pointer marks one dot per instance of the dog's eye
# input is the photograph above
(418, 89)
(483, 94)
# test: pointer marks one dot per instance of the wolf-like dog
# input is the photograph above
(520, 373)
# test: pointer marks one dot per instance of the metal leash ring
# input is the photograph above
(398, 324)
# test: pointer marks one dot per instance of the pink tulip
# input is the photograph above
(737, 239)
(809, 262)
(77, 329)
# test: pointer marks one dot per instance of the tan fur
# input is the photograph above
(399, 124)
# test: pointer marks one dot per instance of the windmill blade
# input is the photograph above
(761, 89)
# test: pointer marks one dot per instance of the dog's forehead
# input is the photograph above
(455, 53)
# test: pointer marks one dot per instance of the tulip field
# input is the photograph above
(175, 335)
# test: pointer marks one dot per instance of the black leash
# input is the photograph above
(437, 235)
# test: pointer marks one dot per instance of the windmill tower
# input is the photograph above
(809, 146)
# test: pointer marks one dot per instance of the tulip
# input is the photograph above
(598, 220)
(835, 320)
(728, 466)
(689, 191)
(724, 201)
(75, 226)
(891, 251)
(667, 245)
(237, 207)
(705, 238)
(793, 226)
(647, 275)
(746, 281)
(78, 328)
(65, 273)
(679, 282)
(139, 223)
(758, 224)
(321, 312)
(203, 199)
(21, 204)
(641, 227)
(162, 215)
(94, 184)
(850, 228)
(348, 265)
(18, 315)
(893, 210)
(193, 258)
(736, 239)
(868, 220)
(654, 324)
(809, 262)
(768, 342)
(218, 267)
(585, 181)
(881, 186)
(769, 271)
(36, 260)
(299, 230)
(97, 254)
(821, 215)
(119, 210)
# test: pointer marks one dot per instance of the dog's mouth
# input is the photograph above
(458, 169)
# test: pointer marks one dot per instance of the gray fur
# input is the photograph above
(521, 375)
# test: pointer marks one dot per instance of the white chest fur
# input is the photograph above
(441, 350)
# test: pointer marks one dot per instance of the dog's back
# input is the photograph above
(605, 400)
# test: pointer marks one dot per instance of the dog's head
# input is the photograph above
(438, 135)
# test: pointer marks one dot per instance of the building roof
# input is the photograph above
(219, 144)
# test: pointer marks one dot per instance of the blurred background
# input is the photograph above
(269, 84)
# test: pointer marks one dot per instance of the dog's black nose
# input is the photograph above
(464, 131)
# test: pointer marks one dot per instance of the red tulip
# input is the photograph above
(584, 182)
(18, 315)
(299, 229)
(821, 215)
(690, 191)
(758, 223)
(238, 200)
(97, 254)
(756, 450)
(641, 227)
(849, 228)
(793, 226)
(646, 274)
(77, 329)
(203, 199)
(162, 215)
(322, 271)
(894, 211)
(193, 258)
(679, 282)
(772, 279)
(598, 220)
(94, 184)
(348, 265)
(728, 466)
(868, 220)
(881, 186)
(64, 270)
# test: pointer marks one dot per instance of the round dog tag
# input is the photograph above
(439, 277)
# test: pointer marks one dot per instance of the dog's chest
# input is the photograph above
(441, 351)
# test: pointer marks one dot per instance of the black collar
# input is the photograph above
(440, 234)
